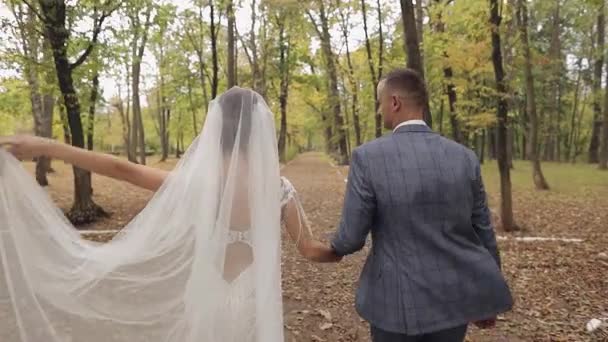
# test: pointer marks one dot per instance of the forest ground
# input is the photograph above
(558, 285)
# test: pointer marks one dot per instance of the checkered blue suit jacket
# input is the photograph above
(434, 262)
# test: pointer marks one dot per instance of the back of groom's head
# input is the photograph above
(408, 84)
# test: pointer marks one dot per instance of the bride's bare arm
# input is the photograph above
(26, 147)
(300, 233)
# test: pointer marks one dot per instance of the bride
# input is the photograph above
(200, 263)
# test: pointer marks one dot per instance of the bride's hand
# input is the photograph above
(25, 147)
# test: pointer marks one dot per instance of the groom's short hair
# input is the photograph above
(409, 83)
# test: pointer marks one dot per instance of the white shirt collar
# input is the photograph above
(409, 122)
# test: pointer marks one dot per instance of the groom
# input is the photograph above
(434, 266)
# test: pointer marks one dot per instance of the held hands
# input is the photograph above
(25, 146)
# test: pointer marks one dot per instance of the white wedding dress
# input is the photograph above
(200, 263)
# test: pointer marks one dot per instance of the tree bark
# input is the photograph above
(594, 144)
(570, 138)
(506, 205)
(448, 74)
(372, 69)
(420, 25)
(332, 74)
(412, 48)
(214, 28)
(284, 56)
(84, 210)
(124, 120)
(552, 141)
(603, 154)
(92, 105)
(354, 84)
(192, 107)
(138, 48)
(539, 178)
(231, 49)
(42, 104)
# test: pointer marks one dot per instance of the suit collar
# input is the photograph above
(413, 128)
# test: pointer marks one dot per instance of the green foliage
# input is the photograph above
(179, 52)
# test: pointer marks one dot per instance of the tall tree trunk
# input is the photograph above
(570, 138)
(332, 82)
(594, 144)
(42, 105)
(420, 25)
(284, 56)
(324, 119)
(412, 48)
(554, 84)
(124, 120)
(198, 44)
(448, 74)
(375, 76)
(603, 155)
(84, 210)
(506, 205)
(129, 127)
(354, 84)
(491, 136)
(539, 178)
(482, 153)
(67, 135)
(214, 28)
(334, 93)
(192, 107)
(231, 49)
(163, 107)
(138, 49)
(92, 105)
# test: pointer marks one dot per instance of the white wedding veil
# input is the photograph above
(175, 272)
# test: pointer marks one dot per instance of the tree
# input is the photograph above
(375, 76)
(506, 204)
(39, 77)
(597, 86)
(539, 178)
(163, 20)
(53, 14)
(138, 47)
(353, 82)
(412, 47)
(553, 141)
(603, 155)
(256, 46)
(332, 75)
(449, 74)
(214, 28)
(195, 34)
(232, 81)
(285, 48)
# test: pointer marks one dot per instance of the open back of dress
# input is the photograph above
(201, 262)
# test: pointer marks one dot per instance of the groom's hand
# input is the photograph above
(486, 323)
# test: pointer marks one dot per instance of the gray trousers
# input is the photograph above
(449, 335)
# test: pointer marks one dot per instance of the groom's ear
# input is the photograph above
(396, 103)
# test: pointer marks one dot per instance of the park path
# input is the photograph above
(319, 298)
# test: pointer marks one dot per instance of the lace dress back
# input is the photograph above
(240, 296)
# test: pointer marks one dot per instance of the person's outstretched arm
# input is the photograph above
(26, 147)
(298, 230)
